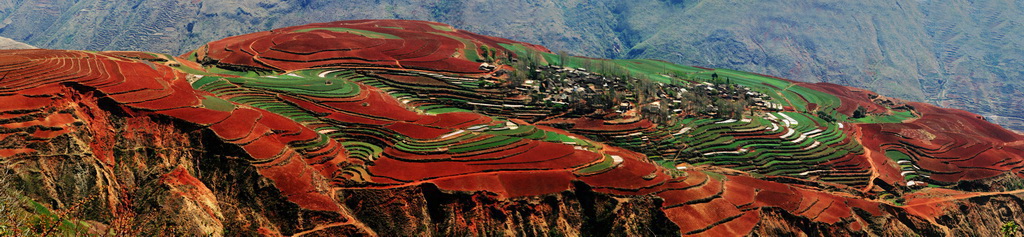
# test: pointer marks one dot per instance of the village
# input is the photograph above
(580, 92)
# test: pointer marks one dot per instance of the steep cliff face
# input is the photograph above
(133, 175)
(387, 127)
(427, 210)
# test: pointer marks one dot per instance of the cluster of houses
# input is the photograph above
(567, 87)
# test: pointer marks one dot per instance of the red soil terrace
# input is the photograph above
(390, 44)
(529, 169)
(953, 144)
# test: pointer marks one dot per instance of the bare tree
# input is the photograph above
(562, 57)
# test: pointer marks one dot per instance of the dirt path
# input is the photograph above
(965, 196)
(336, 224)
(781, 94)
(868, 153)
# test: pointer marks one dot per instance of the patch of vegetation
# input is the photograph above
(825, 116)
(366, 33)
(896, 117)
(1009, 228)
(442, 28)
(21, 216)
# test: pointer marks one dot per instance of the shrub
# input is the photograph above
(1009, 228)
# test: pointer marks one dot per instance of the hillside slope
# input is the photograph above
(960, 54)
(398, 128)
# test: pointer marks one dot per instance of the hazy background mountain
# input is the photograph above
(955, 53)
(7, 43)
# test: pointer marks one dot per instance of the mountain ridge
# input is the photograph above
(397, 127)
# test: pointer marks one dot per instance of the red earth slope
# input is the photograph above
(312, 168)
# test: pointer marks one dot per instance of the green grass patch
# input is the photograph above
(896, 155)
(370, 34)
(605, 164)
(46, 220)
(218, 70)
(896, 117)
(442, 28)
(217, 104)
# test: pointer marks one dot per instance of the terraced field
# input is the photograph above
(331, 108)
